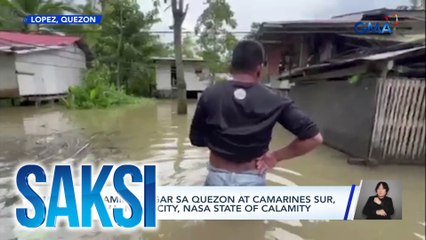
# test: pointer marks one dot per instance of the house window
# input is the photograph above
(198, 71)
(173, 81)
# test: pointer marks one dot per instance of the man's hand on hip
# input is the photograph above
(265, 162)
(294, 149)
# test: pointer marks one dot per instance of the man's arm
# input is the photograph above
(307, 135)
(198, 125)
(297, 148)
(306, 131)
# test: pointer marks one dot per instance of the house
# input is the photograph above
(37, 67)
(196, 75)
(294, 44)
(365, 91)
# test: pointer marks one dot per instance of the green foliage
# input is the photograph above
(253, 31)
(16, 9)
(97, 92)
(166, 50)
(190, 48)
(89, 32)
(357, 78)
(214, 38)
(125, 45)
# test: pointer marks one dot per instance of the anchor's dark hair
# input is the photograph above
(385, 186)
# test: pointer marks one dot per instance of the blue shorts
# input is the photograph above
(221, 177)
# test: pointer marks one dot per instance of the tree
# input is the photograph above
(9, 20)
(214, 38)
(89, 32)
(179, 14)
(253, 31)
(21, 8)
(167, 50)
(190, 49)
(126, 46)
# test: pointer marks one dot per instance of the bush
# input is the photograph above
(96, 91)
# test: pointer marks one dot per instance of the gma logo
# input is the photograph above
(376, 27)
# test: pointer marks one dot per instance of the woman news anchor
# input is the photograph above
(379, 206)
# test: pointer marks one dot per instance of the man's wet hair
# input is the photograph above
(247, 56)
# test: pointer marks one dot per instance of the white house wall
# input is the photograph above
(163, 76)
(52, 71)
(8, 82)
(193, 82)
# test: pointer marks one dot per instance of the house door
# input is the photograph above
(27, 84)
(173, 77)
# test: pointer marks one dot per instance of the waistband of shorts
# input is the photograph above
(251, 172)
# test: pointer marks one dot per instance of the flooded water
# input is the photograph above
(156, 134)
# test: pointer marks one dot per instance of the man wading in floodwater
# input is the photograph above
(234, 119)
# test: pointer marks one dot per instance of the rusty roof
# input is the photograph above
(36, 39)
(389, 55)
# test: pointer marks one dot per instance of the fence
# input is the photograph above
(399, 128)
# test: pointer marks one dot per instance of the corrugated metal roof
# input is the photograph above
(314, 21)
(385, 11)
(21, 43)
(372, 57)
(306, 26)
(343, 24)
(388, 55)
(37, 39)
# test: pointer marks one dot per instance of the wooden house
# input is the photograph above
(367, 92)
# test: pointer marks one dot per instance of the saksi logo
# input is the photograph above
(379, 28)
(82, 197)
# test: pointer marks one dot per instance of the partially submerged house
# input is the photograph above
(36, 67)
(196, 75)
(366, 91)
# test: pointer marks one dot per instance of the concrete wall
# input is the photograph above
(344, 112)
(8, 82)
(193, 82)
(50, 72)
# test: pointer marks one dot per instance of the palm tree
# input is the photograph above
(89, 32)
(21, 8)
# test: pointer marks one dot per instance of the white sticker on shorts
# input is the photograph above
(240, 94)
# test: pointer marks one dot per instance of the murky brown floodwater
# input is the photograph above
(156, 134)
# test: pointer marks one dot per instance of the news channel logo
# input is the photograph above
(62, 19)
(62, 189)
(378, 28)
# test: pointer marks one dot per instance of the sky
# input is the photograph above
(248, 11)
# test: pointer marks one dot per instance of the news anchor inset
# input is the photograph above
(379, 206)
